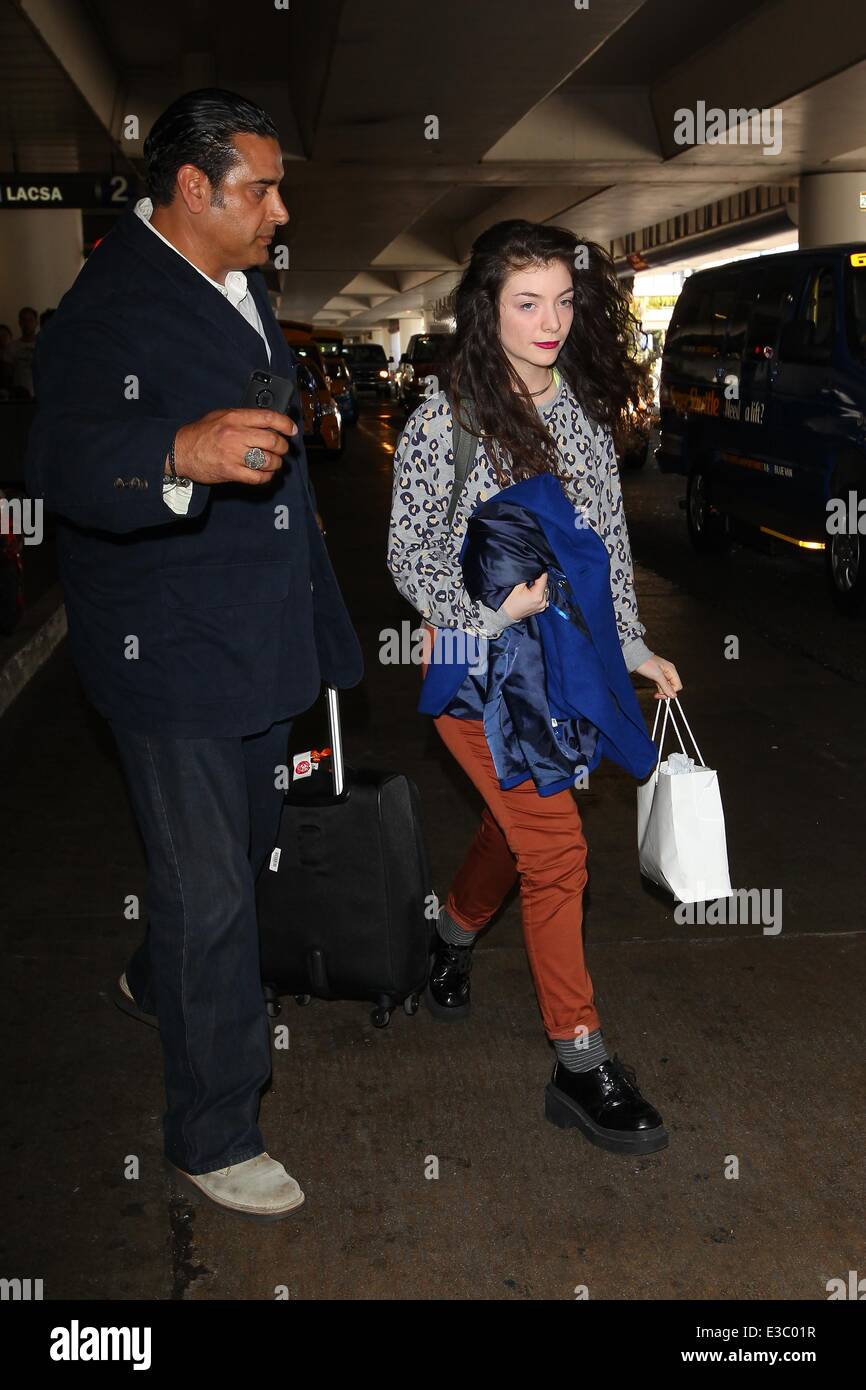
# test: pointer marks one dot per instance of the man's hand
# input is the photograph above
(665, 675)
(526, 599)
(211, 450)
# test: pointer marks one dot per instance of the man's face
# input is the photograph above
(245, 211)
(28, 322)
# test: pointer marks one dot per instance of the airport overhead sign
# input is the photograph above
(84, 191)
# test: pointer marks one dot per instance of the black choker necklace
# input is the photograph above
(545, 387)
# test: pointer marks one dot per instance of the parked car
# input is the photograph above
(369, 367)
(302, 345)
(425, 357)
(338, 378)
(328, 340)
(323, 426)
(341, 384)
(763, 406)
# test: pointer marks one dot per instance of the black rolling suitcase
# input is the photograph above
(344, 903)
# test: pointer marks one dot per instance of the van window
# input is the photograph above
(739, 319)
(809, 337)
(855, 309)
(776, 288)
(700, 321)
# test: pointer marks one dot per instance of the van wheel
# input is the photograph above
(708, 529)
(846, 572)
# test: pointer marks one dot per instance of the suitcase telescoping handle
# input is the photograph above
(336, 738)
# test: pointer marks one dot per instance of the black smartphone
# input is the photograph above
(266, 391)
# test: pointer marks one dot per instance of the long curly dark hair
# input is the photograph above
(597, 358)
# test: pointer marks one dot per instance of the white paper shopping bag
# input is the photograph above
(681, 824)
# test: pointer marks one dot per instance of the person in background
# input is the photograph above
(22, 353)
(5, 361)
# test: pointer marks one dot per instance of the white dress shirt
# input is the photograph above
(236, 291)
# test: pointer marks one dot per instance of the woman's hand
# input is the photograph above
(665, 675)
(526, 599)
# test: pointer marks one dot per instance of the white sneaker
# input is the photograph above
(124, 1000)
(259, 1188)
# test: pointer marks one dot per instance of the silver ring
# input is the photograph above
(255, 458)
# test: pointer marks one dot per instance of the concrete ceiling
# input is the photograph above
(544, 111)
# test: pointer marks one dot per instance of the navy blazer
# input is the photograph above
(217, 623)
(582, 675)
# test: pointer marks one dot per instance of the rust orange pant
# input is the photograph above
(538, 840)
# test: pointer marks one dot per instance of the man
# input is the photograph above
(21, 353)
(203, 609)
(5, 361)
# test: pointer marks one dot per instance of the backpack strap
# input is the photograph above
(465, 446)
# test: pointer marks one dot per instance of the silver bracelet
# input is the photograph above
(173, 480)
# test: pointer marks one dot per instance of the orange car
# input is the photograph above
(323, 425)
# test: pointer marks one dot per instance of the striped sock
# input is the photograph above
(581, 1053)
(450, 931)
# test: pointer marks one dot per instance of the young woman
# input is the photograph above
(542, 352)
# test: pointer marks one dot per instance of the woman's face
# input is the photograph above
(536, 310)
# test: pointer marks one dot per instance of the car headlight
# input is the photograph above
(383, 372)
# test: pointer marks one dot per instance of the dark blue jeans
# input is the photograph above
(208, 811)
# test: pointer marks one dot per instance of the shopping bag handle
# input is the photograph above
(668, 711)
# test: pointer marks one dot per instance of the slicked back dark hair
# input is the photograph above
(197, 129)
(597, 358)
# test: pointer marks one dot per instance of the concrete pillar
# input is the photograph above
(832, 209)
(394, 349)
(408, 326)
(40, 256)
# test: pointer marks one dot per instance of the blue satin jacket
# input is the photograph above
(553, 691)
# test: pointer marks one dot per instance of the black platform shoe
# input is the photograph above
(447, 992)
(606, 1105)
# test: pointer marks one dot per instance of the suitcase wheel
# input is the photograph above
(410, 1004)
(380, 1018)
(303, 998)
(272, 1001)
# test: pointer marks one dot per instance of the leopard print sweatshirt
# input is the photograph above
(423, 554)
